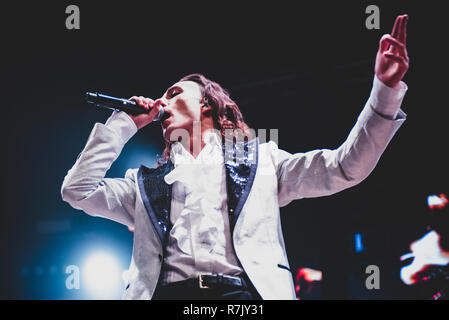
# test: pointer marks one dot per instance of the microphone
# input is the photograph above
(119, 104)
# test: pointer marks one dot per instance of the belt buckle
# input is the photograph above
(200, 282)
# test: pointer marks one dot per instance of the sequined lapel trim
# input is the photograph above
(156, 195)
(241, 161)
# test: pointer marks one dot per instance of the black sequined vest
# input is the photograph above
(240, 160)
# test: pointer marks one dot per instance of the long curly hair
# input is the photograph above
(226, 115)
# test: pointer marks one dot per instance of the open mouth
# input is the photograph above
(164, 117)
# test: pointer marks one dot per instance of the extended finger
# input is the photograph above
(399, 29)
(401, 23)
(395, 30)
(403, 31)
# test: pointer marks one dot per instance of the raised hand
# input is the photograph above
(392, 60)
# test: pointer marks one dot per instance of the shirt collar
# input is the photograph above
(211, 138)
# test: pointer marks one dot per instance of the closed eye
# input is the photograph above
(172, 92)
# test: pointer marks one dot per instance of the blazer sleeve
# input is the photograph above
(85, 186)
(324, 172)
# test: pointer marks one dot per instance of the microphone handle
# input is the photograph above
(119, 104)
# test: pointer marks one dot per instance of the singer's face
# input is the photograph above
(183, 104)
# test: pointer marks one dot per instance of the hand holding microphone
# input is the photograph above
(141, 110)
(143, 119)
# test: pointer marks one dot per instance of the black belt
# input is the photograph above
(208, 281)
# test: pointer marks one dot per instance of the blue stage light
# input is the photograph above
(358, 242)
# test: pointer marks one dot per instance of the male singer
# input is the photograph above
(206, 220)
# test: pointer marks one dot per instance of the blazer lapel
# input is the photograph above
(156, 196)
(241, 161)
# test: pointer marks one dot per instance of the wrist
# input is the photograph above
(139, 123)
(385, 99)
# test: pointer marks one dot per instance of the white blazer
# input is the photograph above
(274, 180)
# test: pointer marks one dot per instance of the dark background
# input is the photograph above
(303, 68)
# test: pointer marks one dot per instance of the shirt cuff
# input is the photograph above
(121, 124)
(386, 100)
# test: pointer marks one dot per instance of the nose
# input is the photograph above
(160, 102)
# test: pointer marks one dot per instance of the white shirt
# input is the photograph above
(200, 239)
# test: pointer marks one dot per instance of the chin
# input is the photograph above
(165, 133)
(181, 127)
